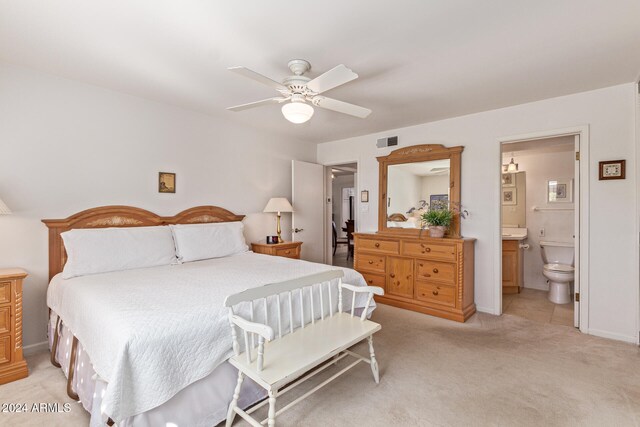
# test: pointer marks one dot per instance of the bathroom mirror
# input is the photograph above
(413, 178)
(514, 200)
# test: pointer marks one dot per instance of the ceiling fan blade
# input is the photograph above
(341, 107)
(335, 77)
(257, 104)
(244, 71)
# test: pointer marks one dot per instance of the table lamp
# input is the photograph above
(4, 209)
(278, 205)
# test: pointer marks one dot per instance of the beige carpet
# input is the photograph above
(491, 371)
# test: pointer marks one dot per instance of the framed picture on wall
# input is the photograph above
(509, 196)
(560, 191)
(508, 180)
(439, 201)
(166, 182)
(612, 169)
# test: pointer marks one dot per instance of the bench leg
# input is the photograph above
(374, 362)
(272, 409)
(231, 413)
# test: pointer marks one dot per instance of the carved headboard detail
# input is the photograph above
(123, 216)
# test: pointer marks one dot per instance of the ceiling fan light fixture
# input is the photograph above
(297, 112)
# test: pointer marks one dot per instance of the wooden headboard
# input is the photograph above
(123, 216)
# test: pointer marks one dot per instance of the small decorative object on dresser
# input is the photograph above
(285, 249)
(12, 364)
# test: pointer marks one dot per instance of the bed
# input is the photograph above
(148, 346)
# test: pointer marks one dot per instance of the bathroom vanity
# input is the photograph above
(429, 275)
(513, 260)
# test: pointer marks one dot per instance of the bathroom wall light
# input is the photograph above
(510, 167)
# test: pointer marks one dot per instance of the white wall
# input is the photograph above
(558, 225)
(613, 262)
(404, 189)
(66, 146)
(434, 184)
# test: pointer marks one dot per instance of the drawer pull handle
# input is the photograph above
(370, 262)
(421, 265)
(377, 245)
(392, 275)
(287, 252)
(435, 292)
(427, 249)
(435, 270)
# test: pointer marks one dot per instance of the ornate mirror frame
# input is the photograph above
(413, 154)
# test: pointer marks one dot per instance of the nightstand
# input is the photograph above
(286, 249)
(12, 364)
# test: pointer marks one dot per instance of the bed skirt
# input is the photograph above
(203, 403)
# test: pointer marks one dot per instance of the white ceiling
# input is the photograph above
(418, 61)
(432, 167)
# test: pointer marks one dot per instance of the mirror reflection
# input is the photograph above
(412, 187)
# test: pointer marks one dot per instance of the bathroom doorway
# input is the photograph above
(540, 239)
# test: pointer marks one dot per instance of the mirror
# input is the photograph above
(412, 187)
(412, 178)
(514, 201)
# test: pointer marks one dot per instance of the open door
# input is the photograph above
(308, 209)
(576, 235)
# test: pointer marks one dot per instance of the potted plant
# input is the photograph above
(438, 217)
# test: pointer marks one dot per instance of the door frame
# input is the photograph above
(582, 226)
(328, 248)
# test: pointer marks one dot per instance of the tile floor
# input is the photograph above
(533, 305)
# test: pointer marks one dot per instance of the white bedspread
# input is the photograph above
(151, 332)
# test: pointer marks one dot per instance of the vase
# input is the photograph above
(437, 230)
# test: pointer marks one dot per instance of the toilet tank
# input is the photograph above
(557, 252)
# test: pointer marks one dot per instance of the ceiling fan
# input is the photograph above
(298, 91)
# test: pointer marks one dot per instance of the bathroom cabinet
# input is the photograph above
(512, 267)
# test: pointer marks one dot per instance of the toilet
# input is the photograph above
(558, 258)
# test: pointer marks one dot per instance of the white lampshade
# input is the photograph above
(278, 204)
(297, 112)
(4, 209)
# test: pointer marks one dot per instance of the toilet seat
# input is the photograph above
(559, 268)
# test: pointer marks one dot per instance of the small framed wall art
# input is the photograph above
(509, 196)
(612, 169)
(166, 182)
(560, 191)
(508, 180)
(364, 196)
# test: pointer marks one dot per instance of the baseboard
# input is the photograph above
(30, 349)
(613, 336)
(488, 310)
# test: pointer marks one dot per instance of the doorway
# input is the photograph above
(542, 193)
(343, 212)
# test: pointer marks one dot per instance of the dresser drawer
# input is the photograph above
(5, 319)
(373, 263)
(431, 292)
(374, 279)
(288, 252)
(380, 246)
(436, 271)
(441, 251)
(5, 349)
(5, 292)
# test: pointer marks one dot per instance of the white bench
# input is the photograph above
(285, 358)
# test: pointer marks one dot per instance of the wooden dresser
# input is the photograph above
(286, 249)
(12, 364)
(429, 275)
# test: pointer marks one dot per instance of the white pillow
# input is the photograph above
(204, 241)
(100, 250)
